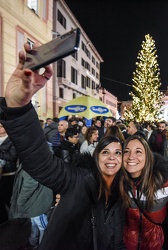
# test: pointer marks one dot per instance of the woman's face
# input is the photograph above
(134, 158)
(94, 136)
(110, 160)
(83, 130)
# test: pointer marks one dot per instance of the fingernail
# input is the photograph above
(27, 73)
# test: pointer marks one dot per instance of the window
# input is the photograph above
(83, 81)
(83, 62)
(74, 96)
(61, 68)
(87, 52)
(87, 65)
(97, 75)
(33, 4)
(30, 42)
(61, 19)
(93, 60)
(20, 42)
(45, 10)
(87, 82)
(61, 93)
(83, 46)
(93, 71)
(93, 85)
(97, 65)
(75, 55)
(73, 75)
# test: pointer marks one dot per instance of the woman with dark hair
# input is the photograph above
(144, 189)
(91, 140)
(90, 214)
(114, 130)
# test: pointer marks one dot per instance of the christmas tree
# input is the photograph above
(147, 99)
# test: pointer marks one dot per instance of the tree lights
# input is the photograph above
(147, 99)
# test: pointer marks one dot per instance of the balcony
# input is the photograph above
(71, 85)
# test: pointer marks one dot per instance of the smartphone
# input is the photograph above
(52, 51)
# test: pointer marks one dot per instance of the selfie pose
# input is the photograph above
(90, 214)
(144, 188)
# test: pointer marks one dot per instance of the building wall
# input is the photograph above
(18, 23)
(70, 89)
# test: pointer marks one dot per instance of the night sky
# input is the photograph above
(117, 29)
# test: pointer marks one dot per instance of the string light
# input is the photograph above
(147, 98)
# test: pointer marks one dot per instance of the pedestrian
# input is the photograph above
(91, 140)
(157, 138)
(31, 200)
(114, 130)
(144, 189)
(86, 192)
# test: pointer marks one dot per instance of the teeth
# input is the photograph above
(132, 163)
(110, 165)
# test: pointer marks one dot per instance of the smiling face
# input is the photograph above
(134, 158)
(110, 160)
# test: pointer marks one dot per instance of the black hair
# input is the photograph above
(70, 132)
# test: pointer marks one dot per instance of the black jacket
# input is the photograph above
(69, 151)
(9, 154)
(50, 131)
(70, 226)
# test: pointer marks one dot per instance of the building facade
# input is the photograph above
(78, 74)
(40, 21)
(20, 22)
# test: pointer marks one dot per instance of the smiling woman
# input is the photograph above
(144, 188)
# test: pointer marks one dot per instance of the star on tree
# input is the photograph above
(147, 99)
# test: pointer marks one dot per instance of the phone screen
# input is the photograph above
(54, 50)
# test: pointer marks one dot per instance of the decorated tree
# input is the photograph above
(147, 99)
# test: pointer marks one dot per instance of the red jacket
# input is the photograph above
(142, 234)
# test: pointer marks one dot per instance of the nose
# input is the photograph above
(111, 156)
(131, 155)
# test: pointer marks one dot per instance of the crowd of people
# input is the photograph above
(111, 177)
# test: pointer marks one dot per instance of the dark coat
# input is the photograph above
(9, 154)
(29, 198)
(69, 151)
(154, 144)
(70, 227)
(50, 131)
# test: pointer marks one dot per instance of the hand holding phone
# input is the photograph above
(52, 51)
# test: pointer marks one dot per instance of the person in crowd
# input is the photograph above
(41, 122)
(110, 121)
(31, 200)
(115, 131)
(144, 189)
(157, 138)
(8, 157)
(91, 140)
(48, 122)
(59, 137)
(164, 149)
(87, 190)
(51, 130)
(134, 128)
(150, 127)
(98, 124)
(82, 134)
(123, 129)
(70, 145)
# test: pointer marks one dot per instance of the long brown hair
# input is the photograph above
(114, 130)
(149, 183)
